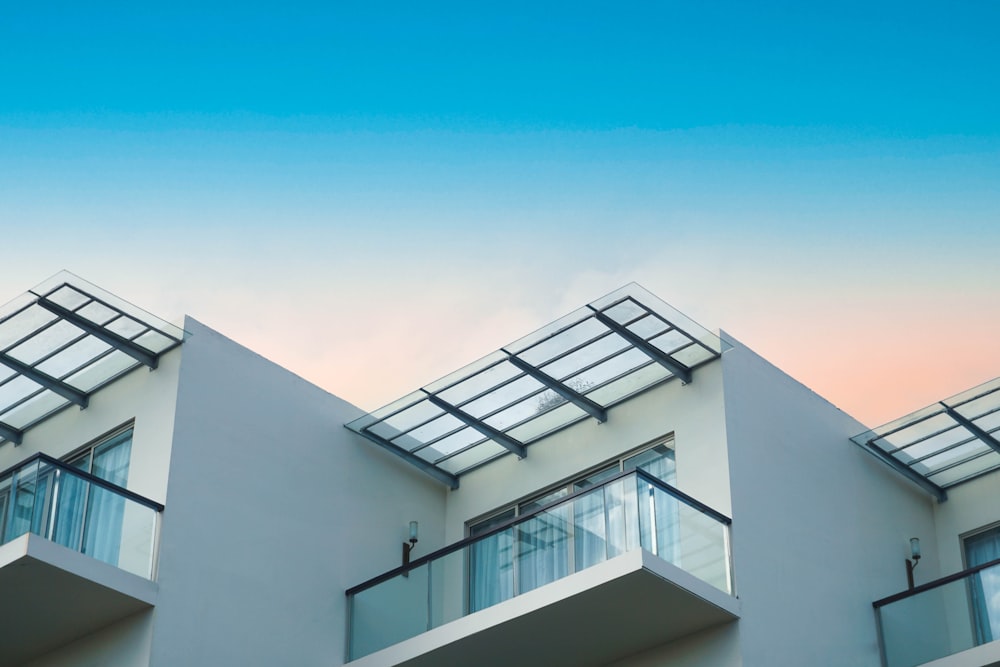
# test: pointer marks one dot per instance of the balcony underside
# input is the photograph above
(52, 595)
(627, 604)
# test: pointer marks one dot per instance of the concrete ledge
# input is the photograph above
(987, 655)
(625, 605)
(52, 595)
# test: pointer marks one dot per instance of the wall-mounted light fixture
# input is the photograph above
(911, 564)
(408, 546)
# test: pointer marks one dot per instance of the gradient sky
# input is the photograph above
(374, 194)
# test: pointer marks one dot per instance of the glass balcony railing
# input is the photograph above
(629, 511)
(939, 619)
(79, 511)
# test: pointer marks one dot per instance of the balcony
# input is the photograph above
(76, 554)
(632, 549)
(951, 622)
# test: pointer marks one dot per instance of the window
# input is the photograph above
(982, 548)
(567, 539)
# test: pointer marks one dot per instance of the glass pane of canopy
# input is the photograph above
(576, 367)
(944, 444)
(65, 339)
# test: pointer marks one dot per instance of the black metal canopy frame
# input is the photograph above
(66, 339)
(574, 368)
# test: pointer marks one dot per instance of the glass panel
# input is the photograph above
(671, 341)
(505, 395)
(657, 461)
(449, 445)
(434, 429)
(154, 341)
(97, 313)
(572, 363)
(546, 422)
(471, 457)
(74, 357)
(648, 327)
(620, 389)
(35, 408)
(542, 501)
(515, 414)
(125, 327)
(480, 382)
(943, 620)
(976, 466)
(22, 324)
(394, 610)
(590, 542)
(954, 455)
(950, 436)
(447, 584)
(17, 389)
(68, 298)
(101, 371)
(24, 495)
(407, 419)
(692, 355)
(45, 342)
(578, 334)
(491, 570)
(626, 311)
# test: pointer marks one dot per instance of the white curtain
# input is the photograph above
(105, 509)
(491, 567)
(985, 585)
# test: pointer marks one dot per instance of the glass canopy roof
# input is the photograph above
(945, 444)
(64, 340)
(574, 368)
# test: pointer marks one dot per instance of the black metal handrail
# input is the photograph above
(936, 583)
(93, 479)
(499, 528)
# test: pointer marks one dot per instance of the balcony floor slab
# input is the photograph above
(987, 655)
(53, 595)
(625, 605)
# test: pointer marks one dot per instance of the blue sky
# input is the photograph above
(816, 179)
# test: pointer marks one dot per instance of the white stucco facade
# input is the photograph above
(272, 510)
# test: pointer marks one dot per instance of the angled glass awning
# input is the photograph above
(65, 339)
(576, 367)
(945, 444)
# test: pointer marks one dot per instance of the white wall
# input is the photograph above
(693, 413)
(273, 509)
(820, 527)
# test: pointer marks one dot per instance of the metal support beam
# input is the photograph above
(57, 386)
(133, 350)
(440, 475)
(972, 428)
(493, 434)
(651, 351)
(576, 398)
(8, 432)
(908, 472)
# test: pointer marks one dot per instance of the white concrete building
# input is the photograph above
(621, 487)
